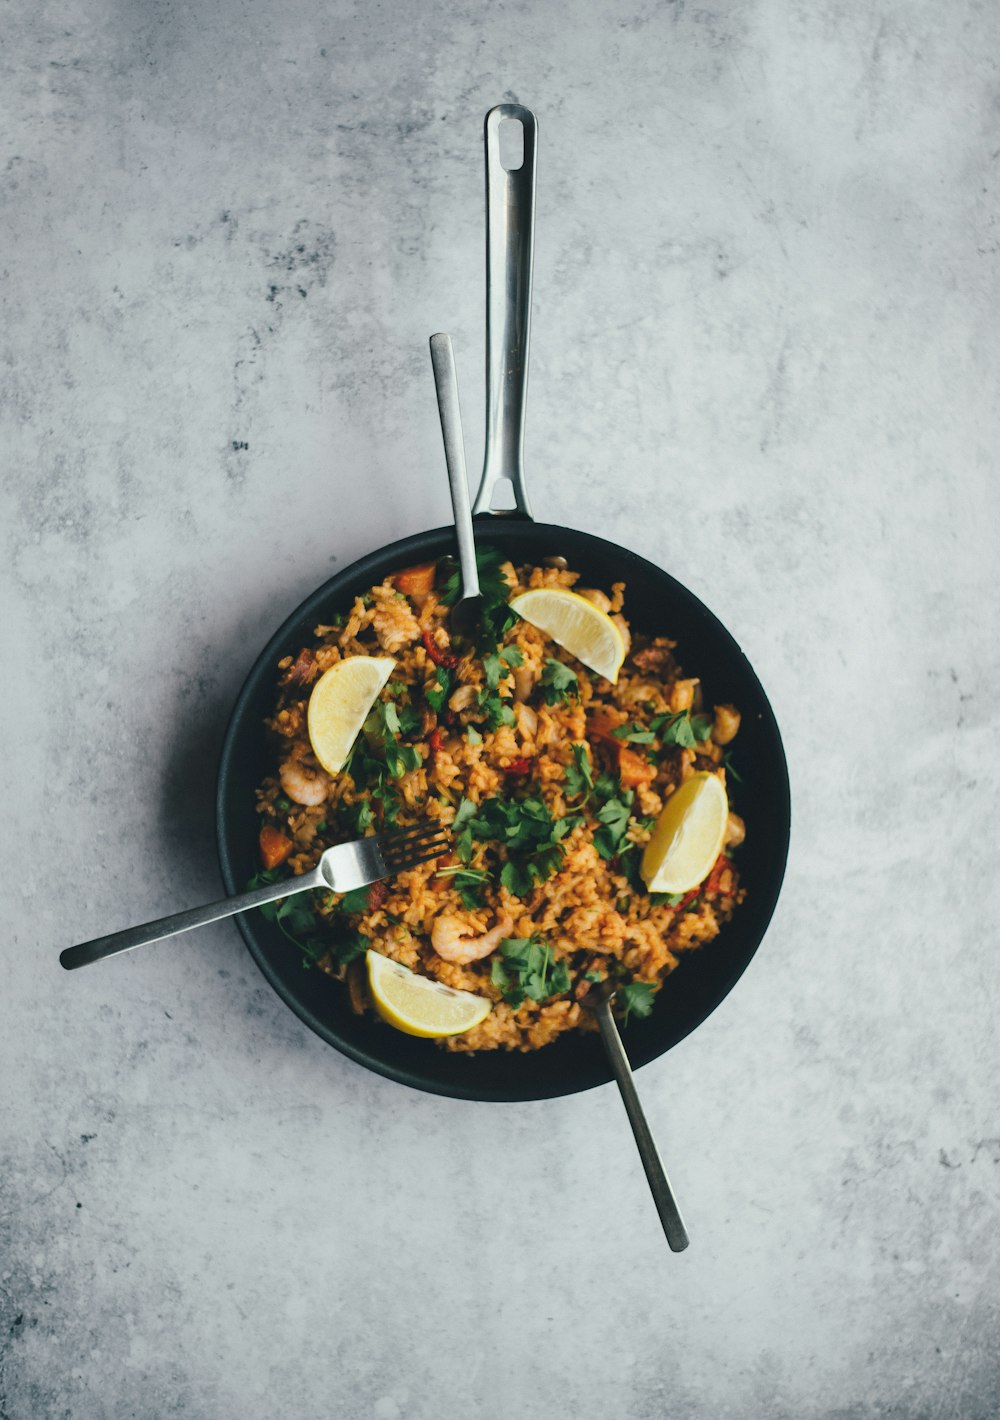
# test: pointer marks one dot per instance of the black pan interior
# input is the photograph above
(655, 603)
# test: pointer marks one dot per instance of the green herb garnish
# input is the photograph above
(682, 729)
(438, 693)
(496, 616)
(579, 774)
(559, 682)
(357, 900)
(526, 969)
(634, 734)
(636, 998)
(613, 817)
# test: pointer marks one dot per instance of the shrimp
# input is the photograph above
(450, 939)
(303, 783)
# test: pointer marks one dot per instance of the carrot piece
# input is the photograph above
(416, 581)
(275, 846)
(634, 769)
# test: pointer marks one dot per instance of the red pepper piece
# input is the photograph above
(439, 657)
(519, 766)
(377, 894)
(715, 876)
(435, 739)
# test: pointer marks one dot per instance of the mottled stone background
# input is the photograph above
(766, 355)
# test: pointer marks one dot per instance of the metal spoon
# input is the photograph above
(598, 999)
(465, 614)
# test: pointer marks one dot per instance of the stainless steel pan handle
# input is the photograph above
(510, 241)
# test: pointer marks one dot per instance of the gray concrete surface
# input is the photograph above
(765, 356)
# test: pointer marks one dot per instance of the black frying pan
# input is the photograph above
(655, 603)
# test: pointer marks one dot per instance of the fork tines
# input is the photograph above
(405, 848)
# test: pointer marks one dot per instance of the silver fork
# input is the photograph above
(341, 868)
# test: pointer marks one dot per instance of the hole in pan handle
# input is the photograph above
(510, 240)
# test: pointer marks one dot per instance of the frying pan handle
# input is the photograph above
(510, 241)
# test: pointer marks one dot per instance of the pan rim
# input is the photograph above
(263, 664)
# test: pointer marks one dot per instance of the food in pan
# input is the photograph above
(582, 776)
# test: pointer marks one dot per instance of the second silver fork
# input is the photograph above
(340, 869)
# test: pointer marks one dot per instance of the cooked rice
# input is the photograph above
(592, 911)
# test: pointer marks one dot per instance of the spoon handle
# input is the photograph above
(656, 1175)
(446, 383)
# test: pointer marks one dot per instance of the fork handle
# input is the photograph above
(656, 1174)
(117, 942)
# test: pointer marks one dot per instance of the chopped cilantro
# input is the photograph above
(634, 734)
(613, 817)
(348, 947)
(683, 729)
(579, 774)
(702, 726)
(293, 916)
(512, 655)
(496, 616)
(493, 669)
(438, 693)
(383, 725)
(524, 827)
(637, 998)
(357, 817)
(496, 711)
(526, 969)
(356, 900)
(559, 681)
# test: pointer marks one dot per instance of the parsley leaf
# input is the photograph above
(634, 734)
(512, 655)
(493, 669)
(348, 948)
(496, 617)
(524, 968)
(383, 725)
(294, 918)
(637, 998)
(525, 828)
(357, 900)
(613, 817)
(683, 729)
(579, 774)
(497, 711)
(438, 693)
(559, 681)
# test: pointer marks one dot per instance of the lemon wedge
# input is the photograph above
(417, 1005)
(688, 836)
(339, 703)
(577, 625)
